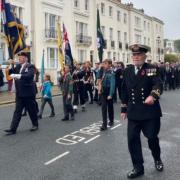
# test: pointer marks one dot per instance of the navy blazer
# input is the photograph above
(25, 87)
(136, 88)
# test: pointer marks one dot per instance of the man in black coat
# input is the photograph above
(23, 74)
(1, 77)
(141, 90)
(172, 77)
(118, 78)
(78, 88)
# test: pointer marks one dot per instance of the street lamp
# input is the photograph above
(159, 47)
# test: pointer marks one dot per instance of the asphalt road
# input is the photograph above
(76, 150)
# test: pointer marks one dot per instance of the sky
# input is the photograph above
(166, 10)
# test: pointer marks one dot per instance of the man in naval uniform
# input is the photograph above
(141, 90)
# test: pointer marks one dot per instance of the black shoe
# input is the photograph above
(111, 124)
(72, 118)
(83, 109)
(103, 128)
(91, 102)
(52, 115)
(65, 119)
(9, 132)
(136, 172)
(34, 128)
(39, 116)
(159, 166)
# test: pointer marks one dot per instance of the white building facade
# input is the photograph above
(121, 24)
(169, 46)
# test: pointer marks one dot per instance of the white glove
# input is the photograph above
(12, 76)
(16, 76)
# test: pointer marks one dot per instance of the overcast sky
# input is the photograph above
(166, 10)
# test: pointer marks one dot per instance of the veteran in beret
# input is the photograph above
(141, 90)
(23, 74)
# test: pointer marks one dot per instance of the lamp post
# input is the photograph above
(159, 47)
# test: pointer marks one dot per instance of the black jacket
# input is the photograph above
(25, 87)
(136, 88)
(118, 76)
(1, 78)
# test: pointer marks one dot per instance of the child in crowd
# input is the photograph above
(46, 96)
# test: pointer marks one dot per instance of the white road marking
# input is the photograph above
(92, 139)
(116, 126)
(165, 113)
(56, 158)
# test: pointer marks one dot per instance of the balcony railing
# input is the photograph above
(50, 34)
(83, 40)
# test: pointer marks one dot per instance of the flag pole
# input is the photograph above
(42, 68)
(60, 47)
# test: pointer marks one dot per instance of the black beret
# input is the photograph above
(23, 54)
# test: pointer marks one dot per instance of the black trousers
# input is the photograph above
(88, 89)
(107, 107)
(150, 129)
(117, 90)
(172, 84)
(67, 107)
(79, 95)
(44, 101)
(30, 104)
(37, 108)
(96, 96)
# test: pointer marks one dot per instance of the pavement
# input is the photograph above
(9, 97)
(77, 150)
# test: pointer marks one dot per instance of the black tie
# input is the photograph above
(137, 70)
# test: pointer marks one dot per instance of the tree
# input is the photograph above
(177, 45)
(171, 58)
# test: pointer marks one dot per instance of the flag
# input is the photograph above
(100, 39)
(67, 50)
(13, 28)
(60, 47)
(42, 68)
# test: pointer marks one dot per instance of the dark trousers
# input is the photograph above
(79, 95)
(172, 84)
(117, 90)
(96, 97)
(107, 107)
(44, 101)
(150, 129)
(67, 107)
(88, 89)
(30, 104)
(25, 110)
